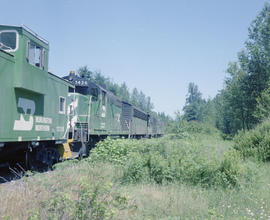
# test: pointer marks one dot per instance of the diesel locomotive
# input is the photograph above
(45, 118)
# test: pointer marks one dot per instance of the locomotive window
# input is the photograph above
(103, 98)
(94, 93)
(81, 90)
(9, 41)
(71, 110)
(70, 89)
(35, 55)
(62, 105)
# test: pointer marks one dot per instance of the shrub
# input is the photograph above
(255, 143)
(113, 150)
(183, 129)
(135, 169)
(229, 170)
(189, 161)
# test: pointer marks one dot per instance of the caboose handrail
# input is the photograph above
(35, 34)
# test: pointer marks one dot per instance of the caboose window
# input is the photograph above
(9, 41)
(62, 105)
(35, 55)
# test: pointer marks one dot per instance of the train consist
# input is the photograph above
(45, 118)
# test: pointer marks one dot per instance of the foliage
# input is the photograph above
(235, 101)
(244, 101)
(181, 128)
(172, 160)
(193, 109)
(84, 72)
(113, 150)
(241, 103)
(194, 95)
(263, 105)
(146, 179)
(255, 143)
(197, 109)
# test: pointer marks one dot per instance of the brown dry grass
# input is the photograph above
(23, 198)
(34, 197)
(168, 201)
(26, 197)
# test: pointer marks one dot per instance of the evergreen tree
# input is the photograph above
(194, 106)
(124, 92)
(100, 79)
(134, 97)
(150, 106)
(84, 72)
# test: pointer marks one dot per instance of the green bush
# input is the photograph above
(113, 150)
(255, 143)
(183, 129)
(187, 161)
(230, 170)
(135, 169)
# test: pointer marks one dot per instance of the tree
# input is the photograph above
(263, 105)
(193, 109)
(124, 92)
(236, 100)
(84, 72)
(247, 78)
(194, 95)
(255, 62)
(150, 106)
(100, 79)
(135, 97)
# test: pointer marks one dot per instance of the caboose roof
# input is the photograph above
(28, 30)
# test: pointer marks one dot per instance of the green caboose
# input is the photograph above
(33, 102)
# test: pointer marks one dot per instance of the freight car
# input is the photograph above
(45, 118)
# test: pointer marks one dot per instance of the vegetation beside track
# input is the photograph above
(190, 174)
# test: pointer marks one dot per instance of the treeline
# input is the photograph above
(245, 99)
(135, 97)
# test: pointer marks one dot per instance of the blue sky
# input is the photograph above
(157, 46)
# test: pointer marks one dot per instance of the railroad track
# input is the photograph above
(11, 173)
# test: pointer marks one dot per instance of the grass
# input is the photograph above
(107, 186)
(72, 191)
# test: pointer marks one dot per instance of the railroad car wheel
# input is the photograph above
(41, 159)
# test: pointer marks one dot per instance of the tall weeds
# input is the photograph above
(163, 160)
